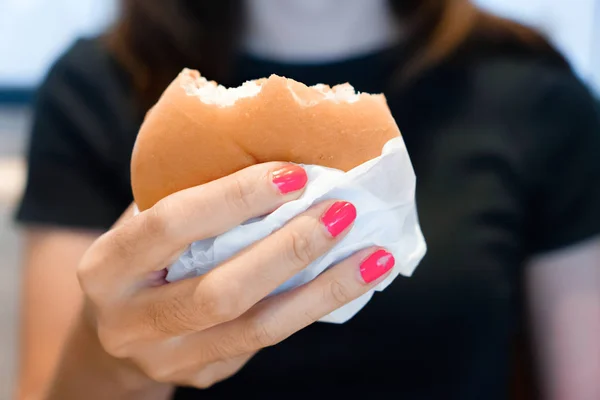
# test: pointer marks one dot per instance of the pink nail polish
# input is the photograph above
(376, 265)
(290, 179)
(339, 217)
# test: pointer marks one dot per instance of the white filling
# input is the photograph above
(210, 93)
(341, 93)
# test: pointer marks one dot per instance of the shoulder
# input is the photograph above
(502, 81)
(80, 141)
(532, 96)
(549, 123)
(85, 105)
(551, 101)
(89, 91)
(529, 79)
(86, 57)
(87, 72)
(84, 52)
(517, 97)
(521, 77)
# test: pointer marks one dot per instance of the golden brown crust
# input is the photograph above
(186, 142)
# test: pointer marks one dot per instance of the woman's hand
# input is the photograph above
(199, 331)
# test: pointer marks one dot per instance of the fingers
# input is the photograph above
(149, 240)
(127, 214)
(333, 289)
(161, 365)
(279, 257)
(278, 317)
(214, 373)
(209, 210)
(235, 286)
(266, 324)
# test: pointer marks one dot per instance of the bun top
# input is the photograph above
(200, 131)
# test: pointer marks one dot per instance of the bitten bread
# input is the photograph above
(200, 131)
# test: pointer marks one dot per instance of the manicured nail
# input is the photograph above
(376, 265)
(290, 179)
(338, 217)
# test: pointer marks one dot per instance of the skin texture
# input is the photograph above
(136, 339)
(187, 330)
(564, 295)
(50, 300)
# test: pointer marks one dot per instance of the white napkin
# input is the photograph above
(383, 191)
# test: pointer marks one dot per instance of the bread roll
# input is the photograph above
(200, 131)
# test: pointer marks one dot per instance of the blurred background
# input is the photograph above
(34, 32)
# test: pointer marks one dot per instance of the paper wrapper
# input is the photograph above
(383, 191)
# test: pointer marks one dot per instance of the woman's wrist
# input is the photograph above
(86, 370)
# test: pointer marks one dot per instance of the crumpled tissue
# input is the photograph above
(383, 192)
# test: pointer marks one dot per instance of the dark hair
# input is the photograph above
(155, 39)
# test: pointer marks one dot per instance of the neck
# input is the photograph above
(318, 30)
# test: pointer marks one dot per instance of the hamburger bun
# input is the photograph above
(200, 131)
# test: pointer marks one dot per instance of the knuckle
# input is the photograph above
(171, 317)
(88, 266)
(158, 373)
(209, 374)
(228, 345)
(300, 249)
(259, 334)
(91, 273)
(114, 348)
(153, 363)
(239, 194)
(121, 243)
(155, 224)
(203, 381)
(113, 344)
(338, 293)
(217, 305)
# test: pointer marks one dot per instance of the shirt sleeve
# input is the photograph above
(566, 201)
(70, 181)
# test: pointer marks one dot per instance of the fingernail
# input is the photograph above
(376, 265)
(338, 217)
(290, 179)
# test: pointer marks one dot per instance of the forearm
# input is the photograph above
(86, 371)
(564, 290)
(51, 300)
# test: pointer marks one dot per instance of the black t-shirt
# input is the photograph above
(506, 148)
